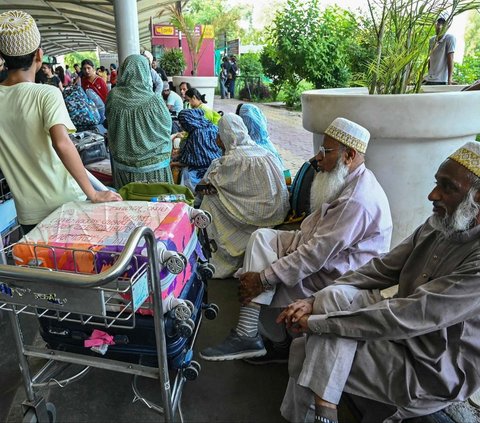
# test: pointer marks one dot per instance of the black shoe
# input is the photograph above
(276, 354)
(235, 347)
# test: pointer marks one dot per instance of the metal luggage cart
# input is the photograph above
(92, 299)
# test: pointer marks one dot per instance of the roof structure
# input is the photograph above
(81, 25)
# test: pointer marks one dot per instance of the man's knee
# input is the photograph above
(334, 298)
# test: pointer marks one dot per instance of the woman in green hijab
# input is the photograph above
(139, 126)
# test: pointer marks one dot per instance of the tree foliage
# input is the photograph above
(250, 65)
(469, 71)
(220, 14)
(273, 69)
(71, 58)
(401, 33)
(472, 33)
(313, 45)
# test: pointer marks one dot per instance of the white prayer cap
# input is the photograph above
(148, 55)
(19, 34)
(349, 133)
(469, 156)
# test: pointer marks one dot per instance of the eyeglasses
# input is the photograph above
(322, 151)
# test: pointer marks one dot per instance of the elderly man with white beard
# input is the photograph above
(415, 353)
(350, 223)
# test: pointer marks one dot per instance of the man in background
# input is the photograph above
(442, 49)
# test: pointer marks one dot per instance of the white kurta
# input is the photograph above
(339, 237)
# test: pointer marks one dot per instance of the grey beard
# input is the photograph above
(327, 186)
(462, 218)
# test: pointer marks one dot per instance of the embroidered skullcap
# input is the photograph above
(469, 156)
(349, 133)
(166, 86)
(19, 34)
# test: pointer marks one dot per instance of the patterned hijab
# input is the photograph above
(256, 124)
(201, 145)
(139, 123)
(234, 133)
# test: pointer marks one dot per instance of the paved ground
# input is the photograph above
(286, 131)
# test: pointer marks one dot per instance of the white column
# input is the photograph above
(126, 25)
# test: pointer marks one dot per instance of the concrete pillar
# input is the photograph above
(126, 25)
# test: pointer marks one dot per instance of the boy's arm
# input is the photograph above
(68, 154)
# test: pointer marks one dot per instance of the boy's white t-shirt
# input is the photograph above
(37, 177)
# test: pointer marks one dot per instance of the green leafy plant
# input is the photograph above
(222, 15)
(250, 65)
(71, 58)
(401, 33)
(273, 69)
(186, 24)
(172, 61)
(311, 44)
(469, 71)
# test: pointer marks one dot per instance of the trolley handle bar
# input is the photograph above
(29, 274)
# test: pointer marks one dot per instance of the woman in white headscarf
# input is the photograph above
(245, 191)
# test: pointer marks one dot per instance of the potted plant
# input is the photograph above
(172, 61)
(194, 35)
(411, 134)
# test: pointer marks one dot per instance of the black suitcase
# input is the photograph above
(137, 344)
(90, 146)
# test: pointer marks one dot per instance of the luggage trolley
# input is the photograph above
(93, 299)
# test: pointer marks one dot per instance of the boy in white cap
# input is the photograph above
(415, 353)
(38, 159)
(350, 223)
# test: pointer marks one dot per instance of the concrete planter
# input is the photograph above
(205, 84)
(411, 134)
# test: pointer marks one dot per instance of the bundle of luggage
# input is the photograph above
(88, 238)
(83, 111)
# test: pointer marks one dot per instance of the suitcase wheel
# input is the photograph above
(191, 372)
(185, 329)
(190, 305)
(211, 311)
(176, 263)
(202, 220)
(206, 270)
(183, 311)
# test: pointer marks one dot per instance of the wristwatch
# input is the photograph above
(267, 286)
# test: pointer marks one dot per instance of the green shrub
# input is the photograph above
(273, 69)
(468, 71)
(254, 89)
(172, 61)
(311, 44)
(249, 65)
(291, 93)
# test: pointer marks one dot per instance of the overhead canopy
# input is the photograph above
(81, 25)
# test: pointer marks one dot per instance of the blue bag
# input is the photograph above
(82, 110)
(300, 193)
